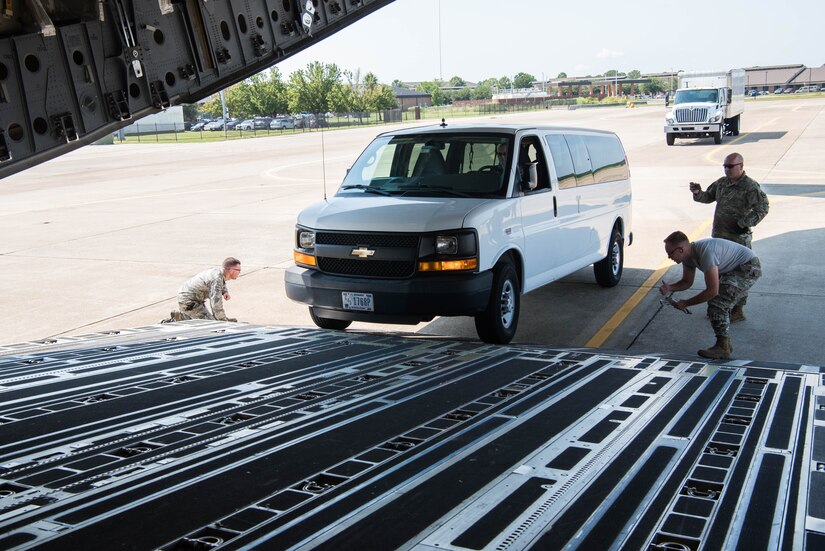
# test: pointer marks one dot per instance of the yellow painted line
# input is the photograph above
(812, 194)
(630, 304)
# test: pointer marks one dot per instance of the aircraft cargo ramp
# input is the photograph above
(207, 435)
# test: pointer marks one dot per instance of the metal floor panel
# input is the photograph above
(223, 436)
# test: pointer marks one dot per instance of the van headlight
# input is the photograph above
(304, 253)
(448, 252)
(446, 244)
(306, 239)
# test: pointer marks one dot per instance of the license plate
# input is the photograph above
(357, 301)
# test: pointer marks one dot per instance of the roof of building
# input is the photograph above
(407, 93)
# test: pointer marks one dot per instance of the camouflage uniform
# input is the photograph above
(734, 283)
(740, 205)
(208, 285)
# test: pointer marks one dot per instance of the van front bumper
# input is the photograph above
(405, 301)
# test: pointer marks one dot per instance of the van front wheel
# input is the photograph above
(608, 271)
(328, 323)
(498, 323)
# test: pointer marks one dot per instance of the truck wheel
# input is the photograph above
(608, 271)
(497, 324)
(328, 323)
(670, 139)
(717, 137)
(735, 125)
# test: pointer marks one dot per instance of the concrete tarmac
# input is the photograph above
(101, 239)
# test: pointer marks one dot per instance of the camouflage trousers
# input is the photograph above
(733, 290)
(195, 310)
(741, 238)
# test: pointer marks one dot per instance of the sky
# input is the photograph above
(415, 40)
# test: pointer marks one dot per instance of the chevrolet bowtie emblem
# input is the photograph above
(362, 252)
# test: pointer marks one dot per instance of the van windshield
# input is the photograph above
(433, 165)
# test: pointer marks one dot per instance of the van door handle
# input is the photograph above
(555, 208)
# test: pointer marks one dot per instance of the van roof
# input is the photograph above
(486, 127)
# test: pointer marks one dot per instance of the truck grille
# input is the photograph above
(692, 115)
(369, 267)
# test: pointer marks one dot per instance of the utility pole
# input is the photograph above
(440, 74)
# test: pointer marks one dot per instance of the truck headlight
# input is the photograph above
(670, 119)
(446, 244)
(716, 118)
(306, 239)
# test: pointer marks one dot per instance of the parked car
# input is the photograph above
(198, 126)
(282, 123)
(217, 124)
(763, 92)
(248, 124)
(753, 93)
(231, 124)
(806, 89)
(261, 123)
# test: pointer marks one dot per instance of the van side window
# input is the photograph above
(607, 158)
(581, 160)
(562, 160)
(530, 151)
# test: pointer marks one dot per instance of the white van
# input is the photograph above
(460, 221)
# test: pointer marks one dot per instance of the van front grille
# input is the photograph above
(366, 268)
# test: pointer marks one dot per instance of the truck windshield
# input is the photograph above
(433, 165)
(696, 96)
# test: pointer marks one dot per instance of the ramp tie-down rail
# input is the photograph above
(220, 436)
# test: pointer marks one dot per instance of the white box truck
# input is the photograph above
(706, 105)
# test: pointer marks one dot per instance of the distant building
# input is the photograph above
(411, 98)
(168, 120)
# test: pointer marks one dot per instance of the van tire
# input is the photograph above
(608, 271)
(670, 139)
(328, 323)
(498, 323)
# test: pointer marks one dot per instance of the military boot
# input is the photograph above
(719, 351)
(737, 314)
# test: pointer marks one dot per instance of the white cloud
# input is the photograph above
(607, 53)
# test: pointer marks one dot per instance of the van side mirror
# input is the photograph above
(529, 176)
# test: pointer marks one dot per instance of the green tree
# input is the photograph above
(190, 111)
(398, 84)
(213, 107)
(562, 75)
(434, 89)
(484, 90)
(655, 86)
(523, 80)
(504, 82)
(457, 81)
(634, 74)
(311, 89)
